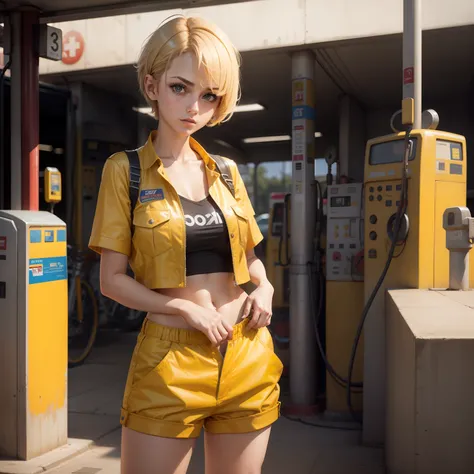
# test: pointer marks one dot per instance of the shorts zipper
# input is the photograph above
(221, 366)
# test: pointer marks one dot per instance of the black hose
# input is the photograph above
(401, 210)
(317, 315)
(284, 233)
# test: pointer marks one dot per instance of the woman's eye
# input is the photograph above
(210, 97)
(177, 88)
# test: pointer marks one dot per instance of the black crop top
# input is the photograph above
(207, 238)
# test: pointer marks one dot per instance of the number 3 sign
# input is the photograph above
(50, 43)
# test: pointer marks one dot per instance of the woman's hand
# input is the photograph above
(208, 321)
(259, 306)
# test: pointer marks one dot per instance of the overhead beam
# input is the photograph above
(102, 9)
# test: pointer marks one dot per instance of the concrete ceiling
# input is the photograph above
(370, 70)
(68, 10)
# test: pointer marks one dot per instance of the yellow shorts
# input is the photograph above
(178, 383)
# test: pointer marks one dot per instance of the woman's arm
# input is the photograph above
(259, 302)
(258, 274)
(118, 286)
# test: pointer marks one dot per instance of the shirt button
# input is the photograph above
(232, 236)
(151, 221)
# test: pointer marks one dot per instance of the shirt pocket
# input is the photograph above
(242, 223)
(152, 231)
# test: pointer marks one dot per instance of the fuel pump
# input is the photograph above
(411, 177)
(52, 187)
(277, 257)
(344, 288)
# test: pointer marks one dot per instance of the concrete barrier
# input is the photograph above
(430, 382)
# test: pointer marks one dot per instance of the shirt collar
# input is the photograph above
(149, 155)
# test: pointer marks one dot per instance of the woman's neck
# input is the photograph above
(171, 146)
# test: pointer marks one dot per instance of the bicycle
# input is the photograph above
(83, 311)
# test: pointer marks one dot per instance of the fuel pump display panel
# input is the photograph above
(341, 201)
(391, 151)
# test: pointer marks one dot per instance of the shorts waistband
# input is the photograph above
(188, 336)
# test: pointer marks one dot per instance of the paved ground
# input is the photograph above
(95, 392)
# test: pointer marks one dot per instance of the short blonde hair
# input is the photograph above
(212, 49)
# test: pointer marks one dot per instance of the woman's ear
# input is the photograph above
(151, 87)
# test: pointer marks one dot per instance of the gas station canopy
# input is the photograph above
(60, 10)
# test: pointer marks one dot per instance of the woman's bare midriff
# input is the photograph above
(214, 291)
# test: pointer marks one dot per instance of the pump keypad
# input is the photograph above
(380, 198)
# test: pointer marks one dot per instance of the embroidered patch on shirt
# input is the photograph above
(147, 195)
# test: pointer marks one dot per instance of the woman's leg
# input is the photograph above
(236, 453)
(145, 454)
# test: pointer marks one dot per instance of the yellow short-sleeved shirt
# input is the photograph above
(156, 247)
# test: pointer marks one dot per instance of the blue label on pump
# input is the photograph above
(62, 235)
(43, 270)
(35, 236)
(151, 195)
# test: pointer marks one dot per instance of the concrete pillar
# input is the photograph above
(303, 348)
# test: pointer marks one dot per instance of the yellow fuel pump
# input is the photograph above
(436, 181)
(278, 244)
(33, 328)
(410, 179)
(344, 290)
(52, 186)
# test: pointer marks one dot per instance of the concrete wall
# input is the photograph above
(257, 25)
(430, 384)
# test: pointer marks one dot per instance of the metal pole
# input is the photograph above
(303, 361)
(25, 111)
(412, 50)
(459, 269)
(30, 109)
(15, 112)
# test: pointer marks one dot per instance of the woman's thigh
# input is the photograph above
(146, 454)
(236, 453)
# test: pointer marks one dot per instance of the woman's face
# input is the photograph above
(186, 102)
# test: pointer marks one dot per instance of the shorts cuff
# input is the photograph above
(155, 427)
(245, 424)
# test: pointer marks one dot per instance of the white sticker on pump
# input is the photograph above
(443, 150)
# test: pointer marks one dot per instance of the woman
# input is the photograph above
(204, 357)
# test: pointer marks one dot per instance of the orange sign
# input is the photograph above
(73, 47)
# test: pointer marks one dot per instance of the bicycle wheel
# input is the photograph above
(82, 328)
